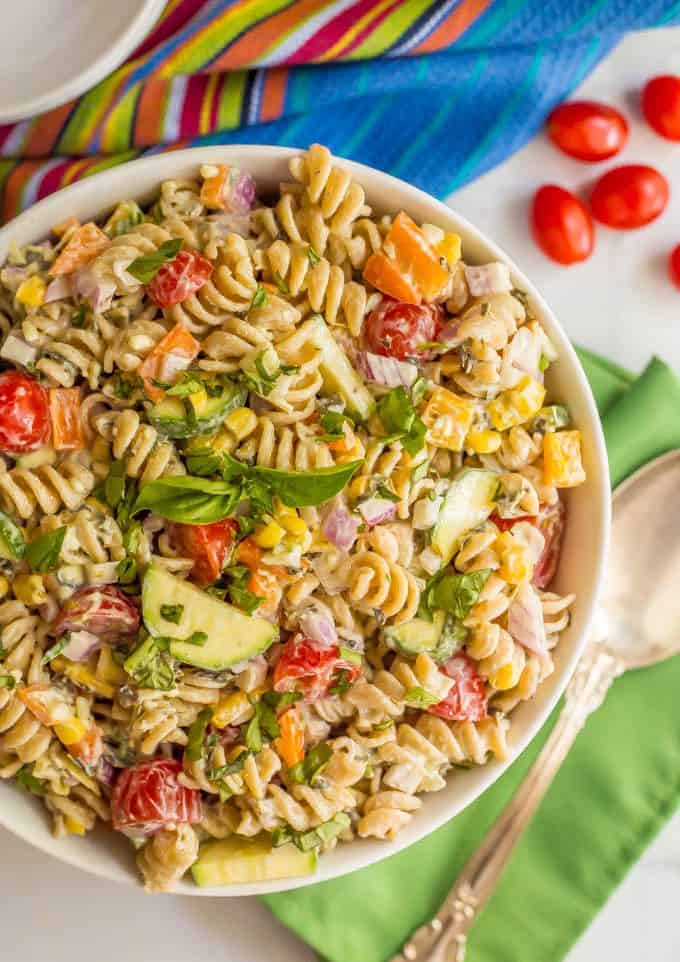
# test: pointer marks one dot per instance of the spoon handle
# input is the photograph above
(444, 938)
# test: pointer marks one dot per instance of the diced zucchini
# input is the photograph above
(232, 635)
(12, 541)
(468, 502)
(417, 635)
(237, 860)
(187, 417)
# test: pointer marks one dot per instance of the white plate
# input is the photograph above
(53, 50)
(586, 539)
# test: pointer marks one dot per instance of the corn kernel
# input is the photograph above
(562, 463)
(516, 565)
(108, 670)
(199, 399)
(448, 418)
(504, 678)
(29, 589)
(73, 826)
(483, 442)
(269, 536)
(233, 708)
(449, 247)
(281, 509)
(293, 525)
(82, 676)
(31, 292)
(4, 586)
(71, 731)
(241, 422)
(517, 405)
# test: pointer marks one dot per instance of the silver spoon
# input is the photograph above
(641, 580)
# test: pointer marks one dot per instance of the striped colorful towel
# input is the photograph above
(434, 91)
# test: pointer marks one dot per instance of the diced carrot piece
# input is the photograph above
(386, 276)
(82, 247)
(45, 703)
(67, 426)
(415, 256)
(212, 189)
(65, 225)
(172, 354)
(290, 746)
(89, 749)
(248, 553)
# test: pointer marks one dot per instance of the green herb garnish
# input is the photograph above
(28, 781)
(146, 267)
(400, 419)
(196, 736)
(260, 297)
(420, 698)
(172, 613)
(55, 650)
(42, 555)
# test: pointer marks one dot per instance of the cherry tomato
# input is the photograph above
(179, 278)
(674, 266)
(208, 544)
(395, 329)
(150, 795)
(467, 699)
(561, 225)
(550, 523)
(661, 105)
(587, 130)
(306, 666)
(505, 524)
(629, 196)
(24, 413)
(103, 610)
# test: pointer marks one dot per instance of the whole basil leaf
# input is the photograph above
(300, 489)
(146, 267)
(42, 555)
(188, 499)
(455, 593)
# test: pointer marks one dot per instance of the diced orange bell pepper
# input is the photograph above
(267, 582)
(67, 426)
(60, 229)
(414, 272)
(45, 703)
(89, 749)
(172, 354)
(212, 189)
(248, 553)
(290, 746)
(82, 247)
(562, 465)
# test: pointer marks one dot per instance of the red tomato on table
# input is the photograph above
(629, 196)
(561, 225)
(179, 278)
(24, 413)
(150, 795)
(209, 545)
(307, 667)
(467, 699)
(396, 329)
(103, 610)
(661, 105)
(587, 130)
(550, 523)
(674, 265)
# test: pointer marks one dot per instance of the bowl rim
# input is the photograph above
(404, 193)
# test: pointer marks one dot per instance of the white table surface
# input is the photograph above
(619, 303)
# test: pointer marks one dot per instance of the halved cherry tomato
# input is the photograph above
(209, 545)
(629, 196)
(661, 105)
(228, 188)
(24, 413)
(396, 329)
(67, 425)
(467, 699)
(674, 266)
(90, 747)
(561, 225)
(307, 667)
(103, 610)
(82, 246)
(587, 130)
(408, 268)
(290, 746)
(179, 278)
(506, 524)
(150, 795)
(172, 354)
(550, 523)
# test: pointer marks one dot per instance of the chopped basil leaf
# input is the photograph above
(420, 698)
(196, 736)
(333, 423)
(259, 297)
(400, 420)
(455, 593)
(28, 781)
(55, 650)
(114, 486)
(126, 569)
(313, 256)
(383, 726)
(348, 654)
(281, 835)
(263, 723)
(244, 599)
(231, 768)
(418, 390)
(420, 471)
(188, 384)
(312, 764)
(299, 489)
(78, 317)
(386, 493)
(341, 683)
(146, 267)
(322, 834)
(150, 667)
(281, 283)
(432, 346)
(42, 555)
(8, 681)
(172, 613)
(281, 699)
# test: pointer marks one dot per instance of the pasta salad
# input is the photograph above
(280, 489)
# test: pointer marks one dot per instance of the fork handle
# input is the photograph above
(444, 938)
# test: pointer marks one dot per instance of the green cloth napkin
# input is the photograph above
(619, 784)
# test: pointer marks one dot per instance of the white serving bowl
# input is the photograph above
(109, 855)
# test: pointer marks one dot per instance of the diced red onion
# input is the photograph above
(318, 626)
(241, 192)
(81, 644)
(386, 371)
(377, 510)
(257, 404)
(18, 351)
(491, 278)
(340, 527)
(58, 289)
(97, 291)
(525, 620)
(425, 513)
(331, 582)
(106, 773)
